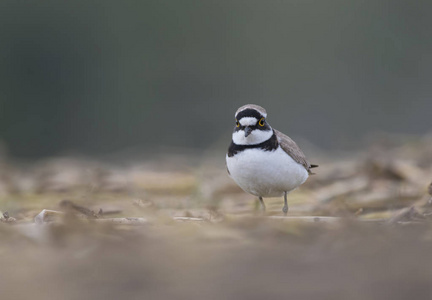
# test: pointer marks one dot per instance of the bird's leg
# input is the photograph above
(263, 207)
(285, 208)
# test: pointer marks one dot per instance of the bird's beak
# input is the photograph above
(247, 131)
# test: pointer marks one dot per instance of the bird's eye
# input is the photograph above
(261, 122)
(237, 123)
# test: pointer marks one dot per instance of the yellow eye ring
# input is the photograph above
(237, 123)
(261, 122)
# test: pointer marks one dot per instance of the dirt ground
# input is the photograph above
(359, 229)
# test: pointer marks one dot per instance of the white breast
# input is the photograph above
(266, 173)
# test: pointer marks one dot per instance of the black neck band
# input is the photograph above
(268, 145)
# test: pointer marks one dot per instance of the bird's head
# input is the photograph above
(251, 125)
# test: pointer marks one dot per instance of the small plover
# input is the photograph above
(263, 161)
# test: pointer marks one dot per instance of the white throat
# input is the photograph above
(255, 137)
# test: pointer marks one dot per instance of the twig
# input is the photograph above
(43, 216)
(68, 205)
(188, 219)
(307, 218)
(124, 221)
(407, 214)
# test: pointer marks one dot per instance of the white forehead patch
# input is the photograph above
(248, 121)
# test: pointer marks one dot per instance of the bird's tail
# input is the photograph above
(312, 166)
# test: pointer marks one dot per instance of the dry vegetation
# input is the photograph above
(359, 229)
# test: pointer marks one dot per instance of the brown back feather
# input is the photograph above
(291, 148)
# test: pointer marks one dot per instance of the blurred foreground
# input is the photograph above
(202, 237)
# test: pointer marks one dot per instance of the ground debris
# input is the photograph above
(351, 217)
(5, 218)
(380, 181)
(341, 188)
(408, 214)
(70, 207)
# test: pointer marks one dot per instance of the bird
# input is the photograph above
(263, 161)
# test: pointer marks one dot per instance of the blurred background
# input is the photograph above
(98, 77)
(155, 84)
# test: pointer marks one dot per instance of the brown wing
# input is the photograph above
(291, 148)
